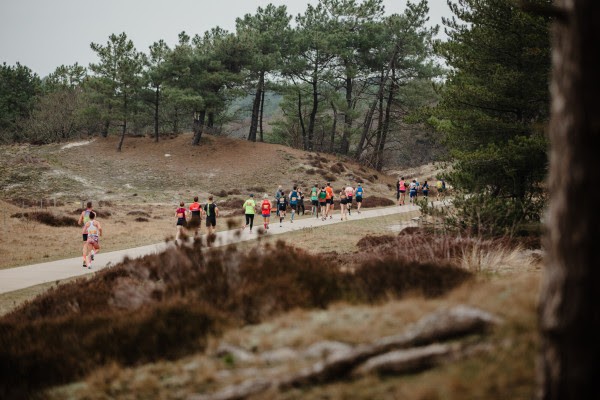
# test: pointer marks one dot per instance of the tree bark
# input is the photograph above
(262, 114)
(198, 127)
(125, 110)
(570, 304)
(156, 109)
(256, 109)
(301, 118)
(313, 112)
(333, 129)
(345, 142)
(385, 127)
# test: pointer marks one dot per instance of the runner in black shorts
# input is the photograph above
(282, 206)
(212, 212)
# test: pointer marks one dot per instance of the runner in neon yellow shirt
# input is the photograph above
(249, 211)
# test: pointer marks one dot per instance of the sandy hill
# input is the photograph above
(172, 169)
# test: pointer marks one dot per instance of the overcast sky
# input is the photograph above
(44, 34)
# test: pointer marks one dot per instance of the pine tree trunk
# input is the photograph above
(345, 142)
(256, 110)
(262, 115)
(385, 127)
(156, 105)
(199, 128)
(333, 129)
(301, 119)
(313, 114)
(570, 304)
(125, 110)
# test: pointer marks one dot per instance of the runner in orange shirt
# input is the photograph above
(329, 201)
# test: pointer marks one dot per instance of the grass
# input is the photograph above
(166, 305)
(507, 373)
(149, 329)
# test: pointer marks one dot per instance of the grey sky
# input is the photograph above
(44, 34)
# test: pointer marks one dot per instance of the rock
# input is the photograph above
(279, 355)
(325, 349)
(237, 353)
(236, 392)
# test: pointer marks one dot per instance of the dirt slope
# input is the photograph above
(168, 171)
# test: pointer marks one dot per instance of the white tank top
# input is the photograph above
(92, 230)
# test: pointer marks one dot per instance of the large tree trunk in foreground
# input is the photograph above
(570, 300)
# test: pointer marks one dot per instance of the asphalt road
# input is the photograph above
(17, 278)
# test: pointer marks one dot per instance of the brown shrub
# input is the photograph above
(139, 214)
(337, 168)
(371, 241)
(165, 305)
(380, 279)
(256, 189)
(376, 201)
(231, 204)
(141, 219)
(47, 218)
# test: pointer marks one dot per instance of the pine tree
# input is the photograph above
(495, 111)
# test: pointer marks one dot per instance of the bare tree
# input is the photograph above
(570, 298)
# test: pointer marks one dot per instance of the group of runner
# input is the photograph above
(414, 187)
(321, 200)
(322, 206)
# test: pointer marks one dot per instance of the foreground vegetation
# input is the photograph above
(170, 305)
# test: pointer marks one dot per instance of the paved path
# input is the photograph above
(22, 277)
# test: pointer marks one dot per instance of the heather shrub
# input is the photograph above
(47, 218)
(392, 278)
(376, 201)
(165, 305)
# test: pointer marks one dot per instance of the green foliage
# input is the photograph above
(19, 87)
(494, 108)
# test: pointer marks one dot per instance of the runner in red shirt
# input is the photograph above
(265, 210)
(196, 220)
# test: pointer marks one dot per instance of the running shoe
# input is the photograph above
(92, 257)
(84, 266)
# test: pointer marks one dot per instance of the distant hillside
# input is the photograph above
(166, 171)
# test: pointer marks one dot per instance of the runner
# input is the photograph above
(195, 220)
(425, 190)
(277, 196)
(212, 212)
(300, 202)
(329, 200)
(401, 195)
(94, 231)
(413, 191)
(418, 187)
(266, 210)
(314, 200)
(441, 189)
(349, 194)
(180, 213)
(282, 206)
(323, 202)
(83, 219)
(343, 205)
(359, 197)
(249, 211)
(293, 202)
